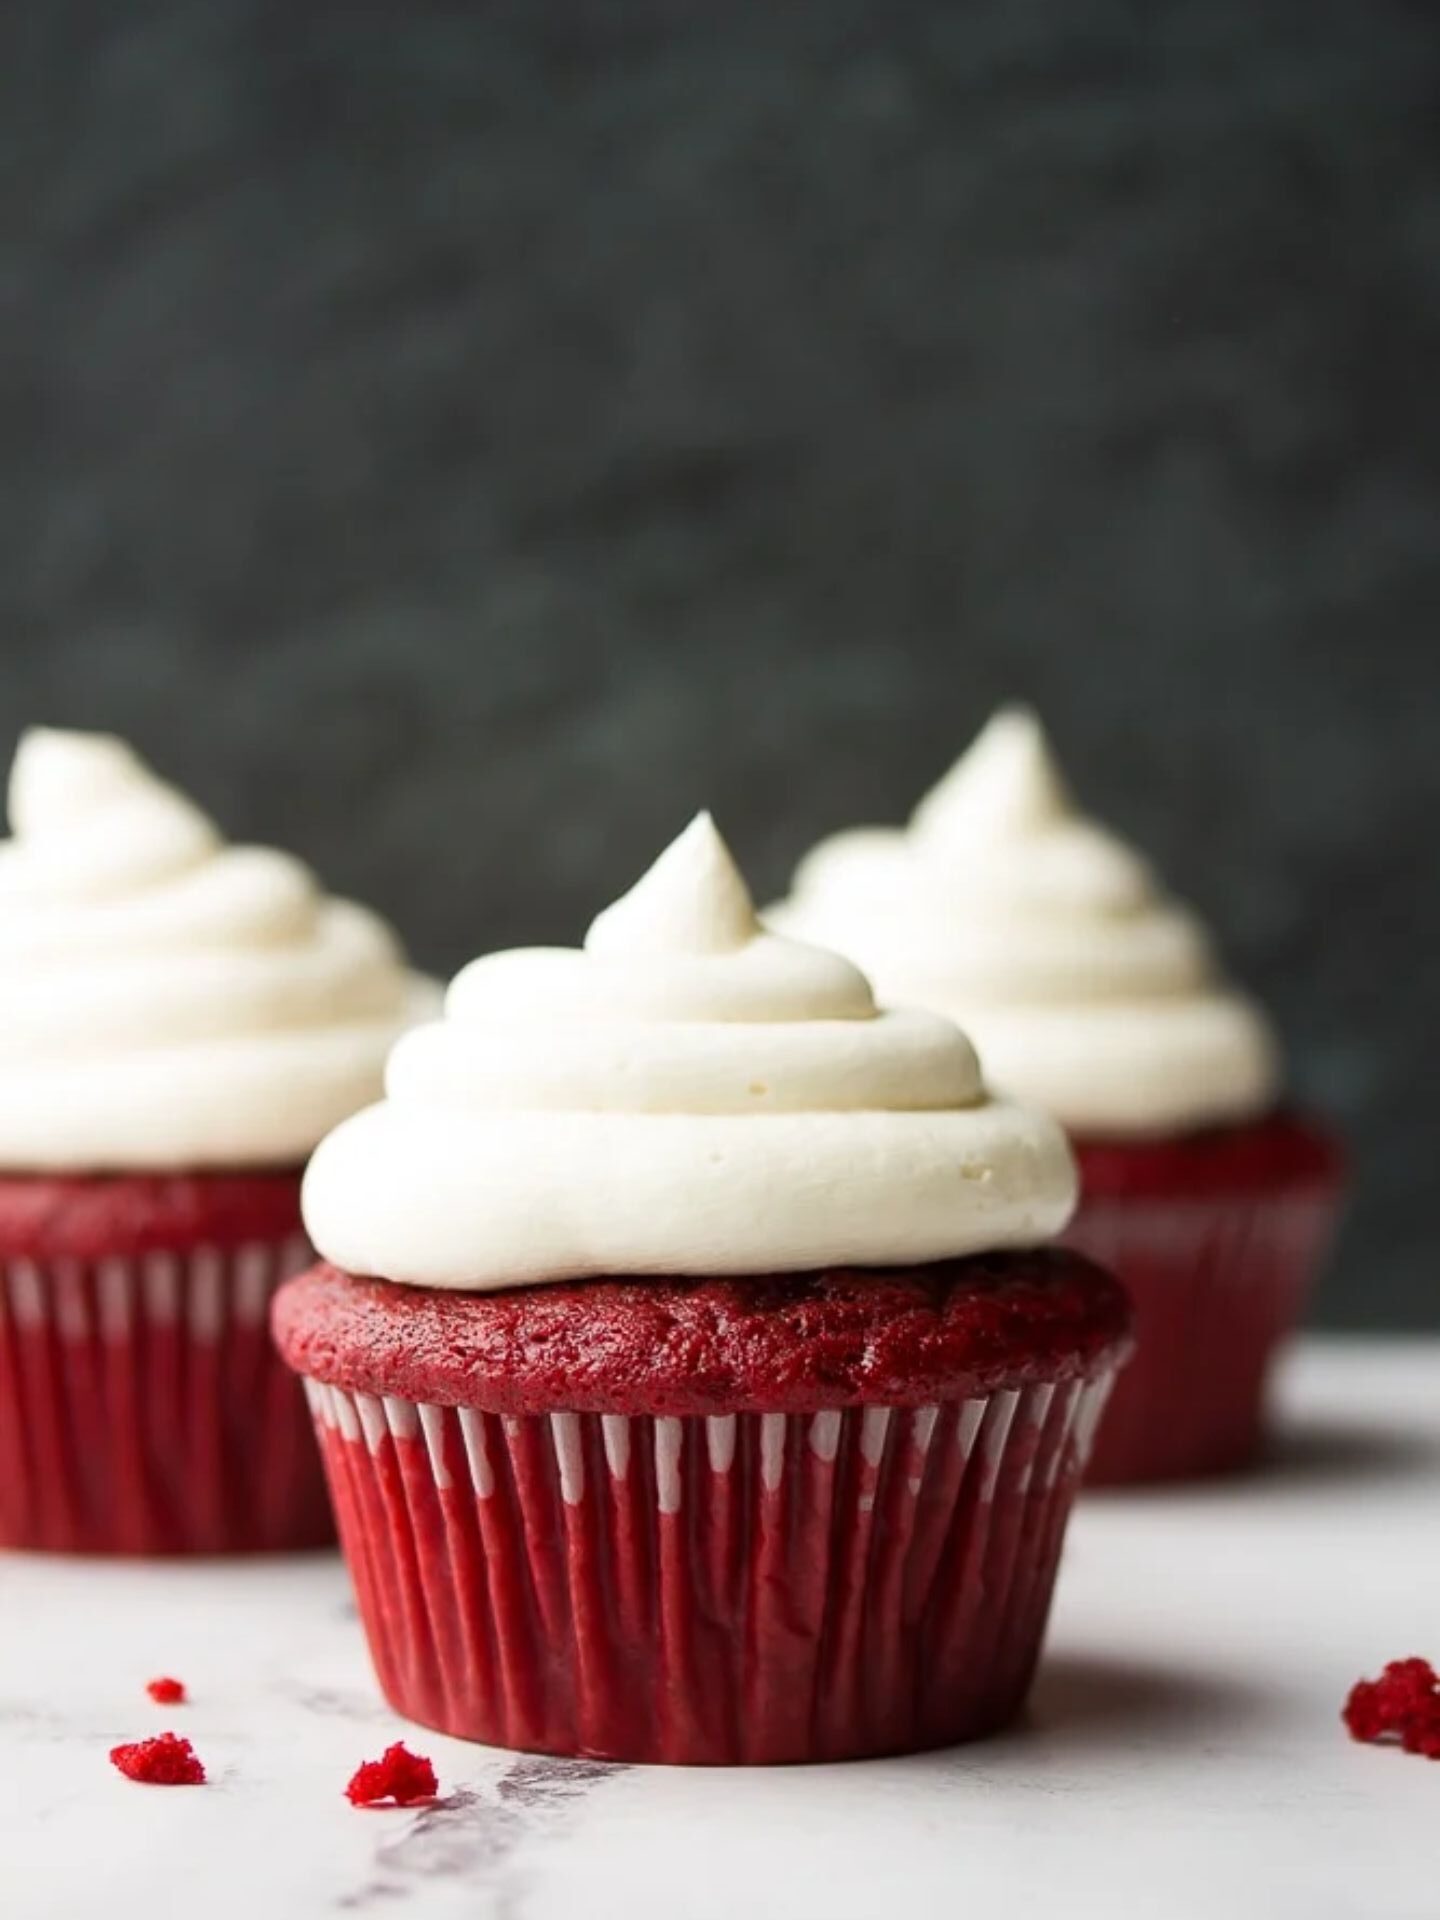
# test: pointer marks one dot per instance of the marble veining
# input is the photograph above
(481, 1836)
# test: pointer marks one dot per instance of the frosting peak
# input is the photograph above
(1089, 990)
(171, 1002)
(687, 1094)
(1009, 783)
(57, 777)
(693, 900)
(90, 820)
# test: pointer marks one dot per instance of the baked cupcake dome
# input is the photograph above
(1093, 993)
(188, 1019)
(693, 1342)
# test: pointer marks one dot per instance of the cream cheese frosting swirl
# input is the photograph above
(1088, 990)
(688, 1094)
(172, 1002)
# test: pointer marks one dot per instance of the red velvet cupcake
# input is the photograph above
(184, 1021)
(1094, 995)
(691, 1382)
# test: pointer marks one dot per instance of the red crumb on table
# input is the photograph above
(397, 1775)
(168, 1760)
(1401, 1708)
(165, 1691)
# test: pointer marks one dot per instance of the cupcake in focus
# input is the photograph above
(185, 1020)
(1089, 991)
(693, 1381)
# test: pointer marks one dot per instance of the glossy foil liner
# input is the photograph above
(748, 1588)
(143, 1409)
(1217, 1283)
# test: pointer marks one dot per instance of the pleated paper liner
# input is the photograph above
(143, 1409)
(750, 1588)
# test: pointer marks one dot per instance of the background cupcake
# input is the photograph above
(691, 1382)
(184, 1020)
(1094, 994)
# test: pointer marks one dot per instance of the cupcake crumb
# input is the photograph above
(1401, 1708)
(166, 1692)
(168, 1760)
(398, 1775)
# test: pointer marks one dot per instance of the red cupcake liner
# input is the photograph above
(1217, 1284)
(747, 1588)
(143, 1409)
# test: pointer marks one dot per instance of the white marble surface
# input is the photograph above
(1183, 1759)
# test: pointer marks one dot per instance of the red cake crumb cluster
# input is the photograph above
(1401, 1708)
(397, 1775)
(165, 1691)
(168, 1760)
(47, 1217)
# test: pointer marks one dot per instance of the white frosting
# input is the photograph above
(1088, 990)
(687, 1095)
(169, 1001)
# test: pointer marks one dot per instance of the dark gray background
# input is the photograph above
(459, 440)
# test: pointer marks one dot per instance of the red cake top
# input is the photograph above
(785, 1343)
(1280, 1151)
(90, 1216)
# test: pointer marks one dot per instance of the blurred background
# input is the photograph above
(457, 441)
